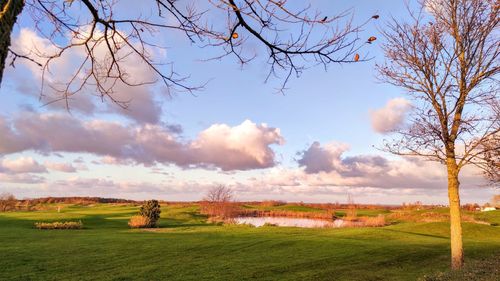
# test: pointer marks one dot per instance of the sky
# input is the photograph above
(316, 142)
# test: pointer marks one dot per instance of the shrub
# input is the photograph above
(139, 222)
(59, 225)
(151, 210)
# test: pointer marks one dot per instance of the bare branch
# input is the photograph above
(448, 63)
(294, 39)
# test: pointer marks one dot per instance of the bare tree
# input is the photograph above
(295, 39)
(447, 59)
(351, 213)
(218, 203)
(7, 202)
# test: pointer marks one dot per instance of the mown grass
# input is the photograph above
(185, 247)
(305, 208)
(492, 217)
(484, 269)
(286, 207)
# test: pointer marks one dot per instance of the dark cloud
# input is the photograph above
(319, 158)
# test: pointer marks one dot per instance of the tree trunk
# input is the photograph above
(457, 251)
(9, 10)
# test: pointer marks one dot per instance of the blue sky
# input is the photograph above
(323, 114)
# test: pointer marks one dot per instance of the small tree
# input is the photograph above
(218, 202)
(151, 210)
(7, 202)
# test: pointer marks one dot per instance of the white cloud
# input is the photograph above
(242, 147)
(327, 166)
(21, 165)
(390, 117)
(61, 167)
(142, 107)
(21, 178)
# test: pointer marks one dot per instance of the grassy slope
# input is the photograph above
(186, 248)
(287, 207)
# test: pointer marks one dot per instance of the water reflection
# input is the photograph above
(291, 222)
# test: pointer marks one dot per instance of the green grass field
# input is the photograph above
(185, 247)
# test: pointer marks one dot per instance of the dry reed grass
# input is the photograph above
(429, 217)
(373, 221)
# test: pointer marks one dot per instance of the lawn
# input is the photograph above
(185, 247)
(300, 208)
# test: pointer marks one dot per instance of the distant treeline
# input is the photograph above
(266, 203)
(9, 202)
(77, 200)
(324, 206)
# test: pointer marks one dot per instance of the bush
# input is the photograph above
(139, 222)
(59, 225)
(151, 211)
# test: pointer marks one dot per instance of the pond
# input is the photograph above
(290, 222)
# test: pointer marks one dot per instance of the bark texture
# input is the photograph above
(457, 253)
(10, 9)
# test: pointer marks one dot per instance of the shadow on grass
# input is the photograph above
(97, 222)
(176, 223)
(418, 234)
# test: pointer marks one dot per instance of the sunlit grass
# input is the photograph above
(185, 247)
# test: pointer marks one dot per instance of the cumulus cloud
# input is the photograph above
(21, 178)
(390, 117)
(319, 158)
(29, 43)
(10, 140)
(61, 167)
(21, 165)
(142, 103)
(21, 170)
(402, 184)
(327, 166)
(122, 189)
(242, 147)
